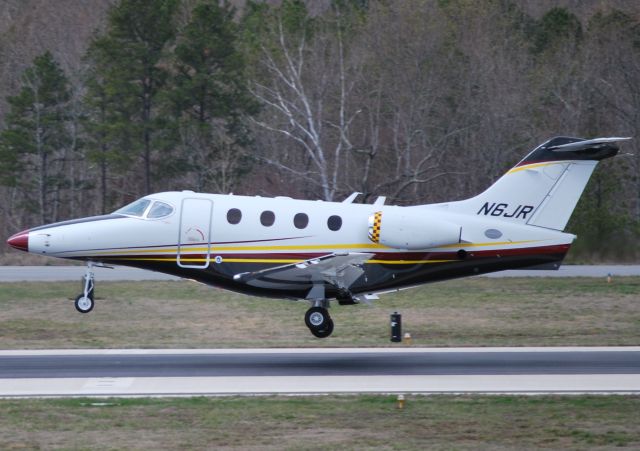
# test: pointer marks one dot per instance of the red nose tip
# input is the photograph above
(20, 241)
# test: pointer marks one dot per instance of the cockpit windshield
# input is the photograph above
(141, 206)
(136, 208)
(159, 210)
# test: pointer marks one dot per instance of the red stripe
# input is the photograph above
(540, 250)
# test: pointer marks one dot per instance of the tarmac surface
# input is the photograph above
(313, 363)
(121, 273)
(326, 370)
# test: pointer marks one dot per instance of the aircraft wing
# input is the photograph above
(339, 270)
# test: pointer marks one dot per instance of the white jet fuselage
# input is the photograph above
(197, 239)
(321, 251)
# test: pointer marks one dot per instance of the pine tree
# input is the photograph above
(129, 77)
(209, 97)
(33, 143)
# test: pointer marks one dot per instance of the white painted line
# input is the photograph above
(227, 351)
(107, 384)
(250, 385)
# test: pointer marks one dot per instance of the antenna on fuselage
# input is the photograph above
(351, 198)
(380, 200)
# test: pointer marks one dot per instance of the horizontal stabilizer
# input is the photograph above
(587, 144)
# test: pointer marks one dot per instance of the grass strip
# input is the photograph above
(348, 422)
(475, 311)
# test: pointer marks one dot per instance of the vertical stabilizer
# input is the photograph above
(544, 188)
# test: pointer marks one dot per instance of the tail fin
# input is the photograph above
(544, 188)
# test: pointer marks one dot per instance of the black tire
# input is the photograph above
(84, 305)
(324, 333)
(317, 318)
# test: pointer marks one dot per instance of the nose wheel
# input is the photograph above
(84, 302)
(319, 322)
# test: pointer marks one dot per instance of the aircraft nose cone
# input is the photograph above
(20, 241)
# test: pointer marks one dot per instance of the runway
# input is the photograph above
(296, 371)
(121, 273)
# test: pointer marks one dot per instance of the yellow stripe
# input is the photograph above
(142, 251)
(300, 247)
(534, 165)
(202, 260)
(259, 260)
(249, 260)
(407, 262)
(158, 259)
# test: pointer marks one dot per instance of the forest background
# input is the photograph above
(104, 101)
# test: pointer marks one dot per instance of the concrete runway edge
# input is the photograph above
(312, 385)
(250, 385)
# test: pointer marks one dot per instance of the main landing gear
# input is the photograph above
(84, 302)
(318, 320)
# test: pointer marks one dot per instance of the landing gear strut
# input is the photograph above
(84, 302)
(319, 322)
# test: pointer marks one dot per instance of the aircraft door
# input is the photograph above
(194, 234)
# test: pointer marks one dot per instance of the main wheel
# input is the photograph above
(324, 333)
(316, 318)
(319, 322)
(84, 304)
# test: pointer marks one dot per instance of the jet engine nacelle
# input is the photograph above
(411, 230)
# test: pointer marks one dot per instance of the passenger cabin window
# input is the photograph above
(267, 218)
(300, 220)
(334, 223)
(136, 208)
(234, 216)
(159, 210)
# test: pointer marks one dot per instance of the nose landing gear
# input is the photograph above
(84, 302)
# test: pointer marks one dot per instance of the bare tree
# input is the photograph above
(305, 94)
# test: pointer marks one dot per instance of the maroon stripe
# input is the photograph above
(555, 249)
(540, 250)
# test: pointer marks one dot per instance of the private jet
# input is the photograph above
(319, 251)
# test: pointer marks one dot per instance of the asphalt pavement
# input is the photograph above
(313, 363)
(121, 273)
(112, 373)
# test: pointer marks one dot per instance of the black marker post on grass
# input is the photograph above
(396, 327)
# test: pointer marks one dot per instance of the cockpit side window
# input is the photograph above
(159, 210)
(136, 208)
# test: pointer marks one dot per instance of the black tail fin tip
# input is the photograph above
(563, 148)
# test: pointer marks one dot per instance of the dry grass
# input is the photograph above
(17, 258)
(348, 422)
(478, 312)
